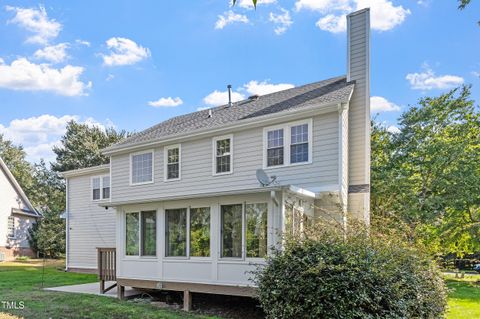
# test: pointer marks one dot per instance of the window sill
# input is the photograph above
(287, 165)
(222, 174)
(172, 180)
(139, 184)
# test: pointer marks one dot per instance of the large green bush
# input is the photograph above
(353, 275)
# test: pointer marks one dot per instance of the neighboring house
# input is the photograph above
(17, 215)
(181, 203)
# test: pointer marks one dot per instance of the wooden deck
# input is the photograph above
(107, 267)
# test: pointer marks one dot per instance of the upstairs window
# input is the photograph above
(141, 168)
(172, 162)
(11, 227)
(223, 159)
(100, 187)
(288, 144)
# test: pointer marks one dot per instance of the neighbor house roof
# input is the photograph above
(31, 210)
(334, 90)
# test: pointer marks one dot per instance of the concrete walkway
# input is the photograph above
(94, 289)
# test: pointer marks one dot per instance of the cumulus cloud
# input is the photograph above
(248, 4)
(261, 88)
(381, 104)
(217, 98)
(393, 129)
(54, 53)
(230, 17)
(35, 21)
(82, 42)
(39, 134)
(282, 21)
(124, 51)
(428, 80)
(24, 75)
(166, 102)
(384, 14)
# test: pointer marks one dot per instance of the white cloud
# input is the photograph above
(229, 18)
(39, 134)
(282, 21)
(476, 74)
(37, 22)
(203, 108)
(217, 98)
(381, 104)
(393, 129)
(384, 14)
(124, 51)
(109, 77)
(24, 75)
(427, 80)
(262, 88)
(166, 102)
(82, 42)
(248, 4)
(54, 53)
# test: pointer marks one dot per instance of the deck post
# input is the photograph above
(121, 292)
(187, 300)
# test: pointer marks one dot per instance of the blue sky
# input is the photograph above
(102, 62)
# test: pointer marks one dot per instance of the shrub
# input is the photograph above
(330, 274)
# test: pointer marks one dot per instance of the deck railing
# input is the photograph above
(107, 269)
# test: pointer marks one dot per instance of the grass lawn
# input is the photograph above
(22, 281)
(464, 297)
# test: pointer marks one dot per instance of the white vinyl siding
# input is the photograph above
(223, 155)
(172, 162)
(141, 168)
(288, 144)
(11, 227)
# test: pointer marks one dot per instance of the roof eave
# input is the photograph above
(85, 171)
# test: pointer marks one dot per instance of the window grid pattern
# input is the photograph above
(96, 188)
(223, 156)
(275, 147)
(173, 163)
(11, 227)
(106, 187)
(142, 168)
(299, 144)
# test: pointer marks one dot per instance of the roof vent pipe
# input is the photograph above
(229, 87)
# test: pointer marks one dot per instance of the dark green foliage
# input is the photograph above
(338, 275)
(82, 144)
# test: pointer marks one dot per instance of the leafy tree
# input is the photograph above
(14, 158)
(426, 179)
(82, 144)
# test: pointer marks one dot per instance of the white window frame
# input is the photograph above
(244, 231)
(165, 161)
(214, 154)
(12, 218)
(187, 257)
(140, 242)
(101, 187)
(153, 167)
(287, 143)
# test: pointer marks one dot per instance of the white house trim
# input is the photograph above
(165, 162)
(214, 154)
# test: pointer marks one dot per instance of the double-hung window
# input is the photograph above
(172, 160)
(288, 144)
(244, 230)
(141, 166)
(141, 233)
(187, 232)
(100, 187)
(223, 155)
(11, 227)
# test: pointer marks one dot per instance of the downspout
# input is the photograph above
(67, 225)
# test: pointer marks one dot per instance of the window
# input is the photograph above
(100, 187)
(196, 233)
(253, 233)
(222, 155)
(141, 233)
(275, 149)
(299, 144)
(172, 162)
(11, 227)
(96, 188)
(288, 144)
(142, 168)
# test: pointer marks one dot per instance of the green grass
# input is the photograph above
(22, 281)
(464, 297)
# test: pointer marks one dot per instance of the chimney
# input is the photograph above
(358, 70)
(229, 87)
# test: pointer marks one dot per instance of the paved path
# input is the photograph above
(94, 289)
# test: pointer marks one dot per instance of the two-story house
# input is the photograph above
(182, 204)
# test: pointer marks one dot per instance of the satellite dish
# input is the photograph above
(263, 178)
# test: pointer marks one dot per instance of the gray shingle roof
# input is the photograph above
(323, 92)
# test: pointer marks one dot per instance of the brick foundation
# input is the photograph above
(14, 252)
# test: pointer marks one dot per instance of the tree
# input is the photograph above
(426, 179)
(82, 144)
(14, 158)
